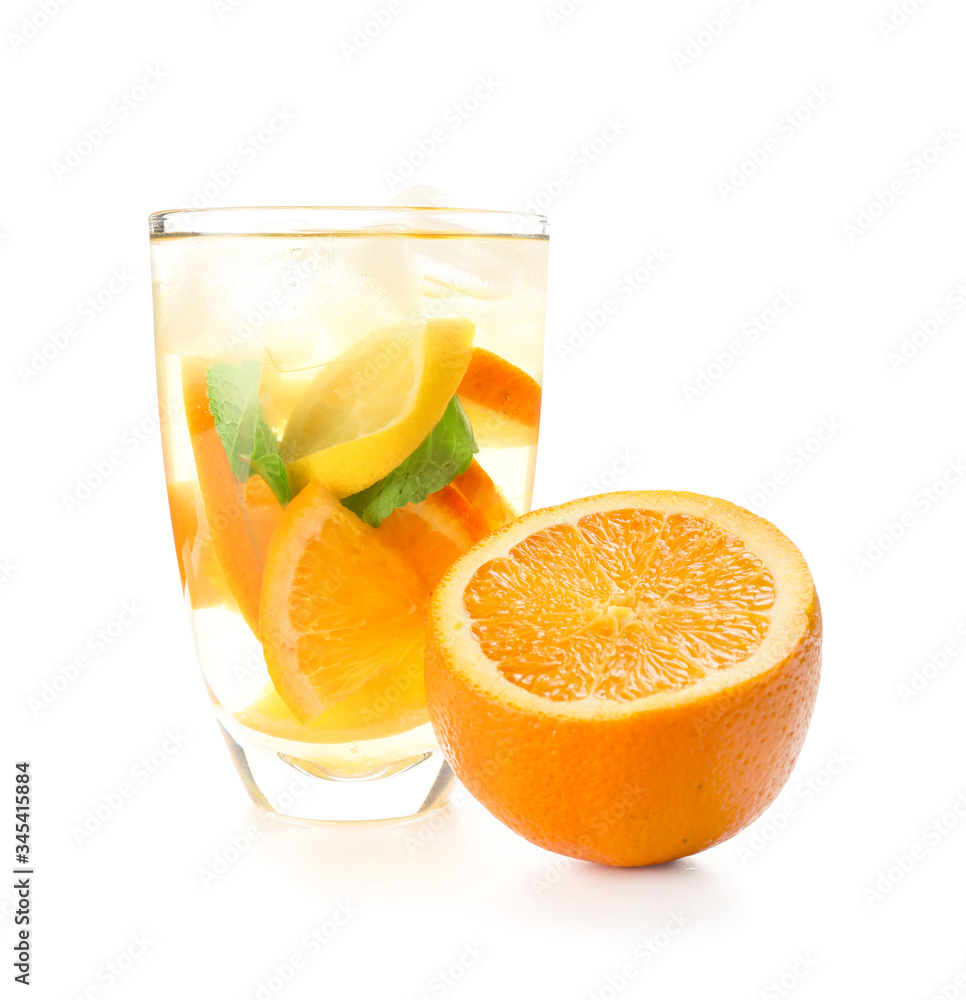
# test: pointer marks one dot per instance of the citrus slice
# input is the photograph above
(339, 606)
(433, 534)
(501, 401)
(485, 496)
(373, 405)
(240, 518)
(202, 578)
(626, 678)
(430, 535)
(392, 702)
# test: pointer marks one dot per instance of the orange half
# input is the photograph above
(626, 678)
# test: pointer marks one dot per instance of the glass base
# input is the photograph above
(386, 780)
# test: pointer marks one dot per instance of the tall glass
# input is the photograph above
(350, 398)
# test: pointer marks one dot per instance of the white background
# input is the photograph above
(795, 895)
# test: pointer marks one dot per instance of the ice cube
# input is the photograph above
(294, 301)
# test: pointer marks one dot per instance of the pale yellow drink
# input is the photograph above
(341, 346)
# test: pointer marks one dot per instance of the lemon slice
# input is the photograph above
(370, 408)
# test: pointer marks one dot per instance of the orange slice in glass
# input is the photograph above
(339, 605)
(485, 496)
(240, 517)
(501, 401)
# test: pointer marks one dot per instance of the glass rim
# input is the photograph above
(298, 220)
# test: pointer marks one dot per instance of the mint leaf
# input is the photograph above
(249, 443)
(444, 454)
(232, 399)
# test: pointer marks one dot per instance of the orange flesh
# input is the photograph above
(356, 606)
(495, 384)
(201, 574)
(339, 606)
(433, 534)
(485, 496)
(620, 605)
(240, 518)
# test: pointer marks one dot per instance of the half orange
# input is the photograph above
(626, 678)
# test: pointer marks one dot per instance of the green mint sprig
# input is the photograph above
(443, 455)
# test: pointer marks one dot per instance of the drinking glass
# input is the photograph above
(324, 376)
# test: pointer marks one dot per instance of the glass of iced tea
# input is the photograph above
(350, 399)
